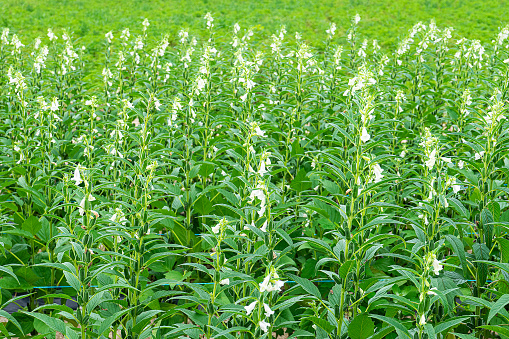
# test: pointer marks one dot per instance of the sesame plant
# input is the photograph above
(203, 189)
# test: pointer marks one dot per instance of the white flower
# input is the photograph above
(109, 36)
(265, 284)
(479, 155)
(430, 292)
(377, 170)
(54, 104)
(259, 132)
(51, 35)
(365, 135)
(455, 187)
(216, 229)
(157, 104)
(431, 161)
(264, 227)
(90, 197)
(268, 311)
(422, 321)
(357, 19)
(236, 28)
(437, 267)
(461, 164)
(77, 176)
(249, 308)
(264, 326)
(225, 282)
(119, 217)
(402, 155)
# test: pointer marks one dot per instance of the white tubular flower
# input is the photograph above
(268, 311)
(109, 36)
(225, 282)
(271, 282)
(431, 291)
(365, 135)
(145, 24)
(377, 171)
(81, 209)
(118, 216)
(77, 176)
(437, 267)
(264, 326)
(422, 320)
(51, 35)
(54, 104)
(331, 31)
(264, 227)
(431, 160)
(157, 104)
(260, 195)
(209, 19)
(265, 285)
(249, 308)
(236, 28)
(461, 164)
(216, 229)
(220, 225)
(479, 155)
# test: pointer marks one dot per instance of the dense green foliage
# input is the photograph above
(382, 20)
(223, 188)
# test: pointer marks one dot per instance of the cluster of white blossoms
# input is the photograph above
(40, 55)
(453, 183)
(176, 107)
(208, 18)
(219, 228)
(277, 43)
(260, 193)
(264, 162)
(432, 263)
(331, 31)
(466, 101)
(264, 325)
(271, 282)
(87, 197)
(495, 112)
(118, 216)
(429, 144)
(361, 81)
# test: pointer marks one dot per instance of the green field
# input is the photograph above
(381, 19)
(172, 174)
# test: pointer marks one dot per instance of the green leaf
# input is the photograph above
(445, 325)
(53, 323)
(499, 304)
(430, 331)
(31, 225)
(393, 322)
(504, 330)
(345, 268)
(459, 250)
(300, 182)
(73, 281)
(504, 249)
(361, 327)
(202, 205)
(307, 285)
(458, 206)
(322, 323)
